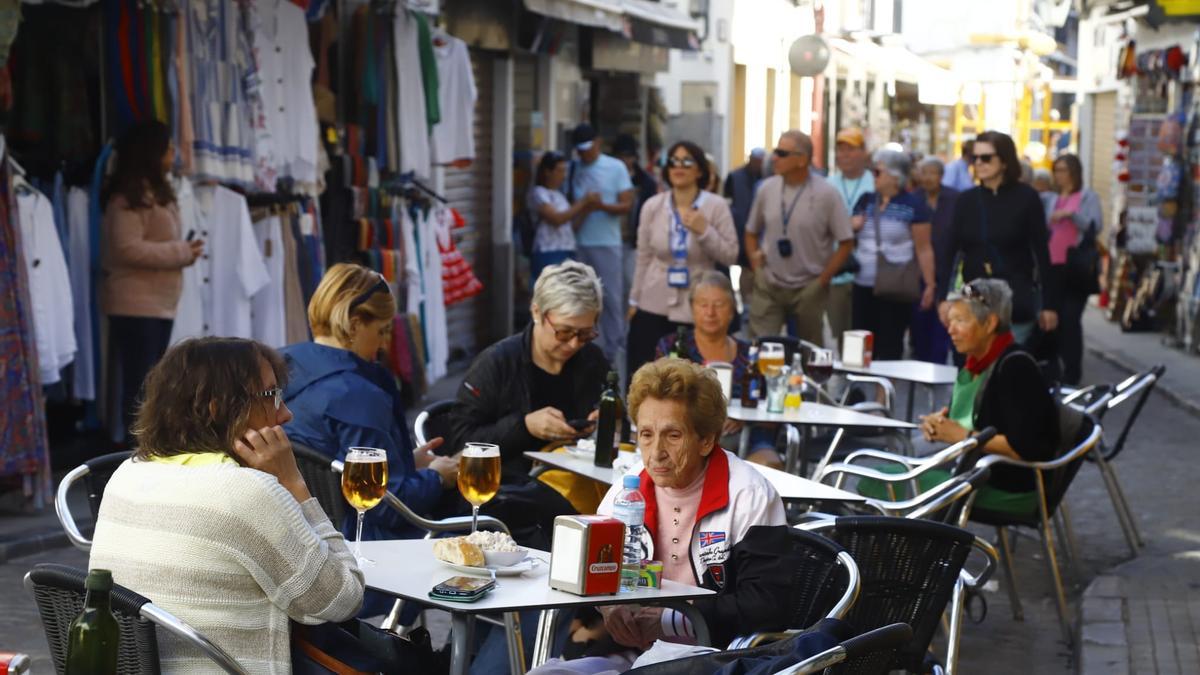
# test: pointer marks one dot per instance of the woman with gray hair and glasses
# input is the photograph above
(892, 225)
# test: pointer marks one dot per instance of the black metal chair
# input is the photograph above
(59, 593)
(864, 654)
(1053, 478)
(910, 571)
(95, 474)
(432, 422)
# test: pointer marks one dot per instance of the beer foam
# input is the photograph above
(365, 457)
(481, 450)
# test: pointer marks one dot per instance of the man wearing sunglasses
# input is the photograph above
(797, 238)
(598, 234)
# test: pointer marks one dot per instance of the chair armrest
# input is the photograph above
(63, 509)
(889, 389)
(455, 524)
(992, 559)
(758, 639)
(170, 623)
(1078, 451)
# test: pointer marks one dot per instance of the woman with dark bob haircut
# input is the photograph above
(682, 233)
(211, 519)
(999, 230)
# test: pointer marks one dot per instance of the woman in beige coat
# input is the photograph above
(143, 254)
(681, 233)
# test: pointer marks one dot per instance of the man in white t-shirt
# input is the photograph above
(598, 235)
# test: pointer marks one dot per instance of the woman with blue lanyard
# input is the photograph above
(681, 233)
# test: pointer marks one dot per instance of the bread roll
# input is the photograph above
(459, 551)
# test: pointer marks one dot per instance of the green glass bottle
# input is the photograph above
(95, 636)
(612, 412)
(679, 347)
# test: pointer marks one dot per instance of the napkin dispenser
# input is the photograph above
(585, 558)
(857, 346)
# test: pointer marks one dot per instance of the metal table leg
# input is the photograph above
(744, 441)
(516, 646)
(544, 641)
(460, 643)
(912, 398)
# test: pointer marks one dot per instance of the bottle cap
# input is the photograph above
(98, 580)
(631, 482)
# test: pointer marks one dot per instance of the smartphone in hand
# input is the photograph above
(581, 423)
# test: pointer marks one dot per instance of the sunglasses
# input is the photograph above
(973, 294)
(784, 154)
(584, 335)
(985, 157)
(680, 162)
(876, 171)
(276, 393)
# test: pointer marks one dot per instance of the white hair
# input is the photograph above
(569, 288)
(896, 163)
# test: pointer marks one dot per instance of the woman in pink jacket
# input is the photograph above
(143, 253)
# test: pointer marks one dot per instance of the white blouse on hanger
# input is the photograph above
(285, 67)
(454, 136)
(49, 284)
(217, 290)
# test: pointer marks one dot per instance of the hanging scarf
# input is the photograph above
(976, 366)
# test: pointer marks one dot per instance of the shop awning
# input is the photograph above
(935, 85)
(638, 20)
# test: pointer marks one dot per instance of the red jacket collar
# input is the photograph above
(713, 498)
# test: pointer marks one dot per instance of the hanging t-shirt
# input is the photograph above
(49, 285)
(216, 298)
(454, 136)
(80, 268)
(285, 67)
(410, 98)
(268, 305)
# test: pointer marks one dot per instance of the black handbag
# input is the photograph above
(1083, 265)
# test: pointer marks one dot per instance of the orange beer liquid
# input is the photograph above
(478, 477)
(364, 483)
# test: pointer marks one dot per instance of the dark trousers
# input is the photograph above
(888, 320)
(930, 341)
(138, 343)
(645, 330)
(1070, 335)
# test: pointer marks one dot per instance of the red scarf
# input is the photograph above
(976, 366)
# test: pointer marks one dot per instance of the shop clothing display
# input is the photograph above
(49, 284)
(459, 282)
(218, 289)
(24, 447)
(285, 65)
(410, 92)
(222, 72)
(454, 135)
(79, 265)
(269, 318)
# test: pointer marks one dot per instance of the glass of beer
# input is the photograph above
(364, 482)
(478, 476)
(771, 356)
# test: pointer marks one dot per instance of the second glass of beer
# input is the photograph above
(479, 476)
(364, 482)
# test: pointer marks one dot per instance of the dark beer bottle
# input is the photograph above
(612, 412)
(679, 347)
(752, 381)
(94, 636)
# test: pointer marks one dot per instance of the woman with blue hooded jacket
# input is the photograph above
(341, 397)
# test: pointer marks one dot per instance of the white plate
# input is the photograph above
(525, 565)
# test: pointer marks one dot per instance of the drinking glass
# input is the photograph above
(479, 476)
(364, 482)
(819, 367)
(771, 355)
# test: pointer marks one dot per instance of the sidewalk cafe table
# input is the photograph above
(809, 414)
(790, 487)
(912, 372)
(406, 569)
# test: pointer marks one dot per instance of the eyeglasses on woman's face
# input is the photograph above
(584, 335)
(276, 394)
(681, 162)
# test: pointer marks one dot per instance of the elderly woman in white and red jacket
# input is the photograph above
(701, 501)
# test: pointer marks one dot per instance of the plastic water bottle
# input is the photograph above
(630, 508)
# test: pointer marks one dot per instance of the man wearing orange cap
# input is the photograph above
(852, 183)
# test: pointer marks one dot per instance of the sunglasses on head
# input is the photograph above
(973, 294)
(984, 157)
(784, 154)
(681, 162)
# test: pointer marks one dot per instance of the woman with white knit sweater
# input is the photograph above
(211, 518)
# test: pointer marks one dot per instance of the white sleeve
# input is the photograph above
(252, 269)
